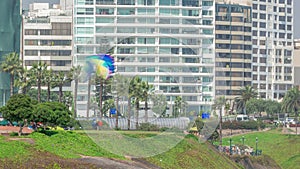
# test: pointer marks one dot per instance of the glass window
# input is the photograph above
(207, 3)
(126, 11)
(104, 20)
(169, 2)
(146, 2)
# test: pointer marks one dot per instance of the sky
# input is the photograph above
(296, 13)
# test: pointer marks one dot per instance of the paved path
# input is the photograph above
(9, 129)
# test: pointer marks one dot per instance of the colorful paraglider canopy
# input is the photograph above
(102, 65)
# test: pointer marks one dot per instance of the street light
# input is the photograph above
(243, 140)
(256, 146)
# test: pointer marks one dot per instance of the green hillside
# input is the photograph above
(284, 149)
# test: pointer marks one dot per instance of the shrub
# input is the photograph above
(249, 125)
(148, 127)
(13, 134)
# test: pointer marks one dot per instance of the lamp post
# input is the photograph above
(256, 146)
(243, 140)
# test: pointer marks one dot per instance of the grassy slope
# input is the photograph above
(70, 145)
(9, 149)
(284, 149)
(191, 154)
(187, 154)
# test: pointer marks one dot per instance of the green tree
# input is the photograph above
(52, 114)
(33, 94)
(74, 75)
(120, 87)
(159, 104)
(272, 107)
(147, 91)
(103, 91)
(23, 81)
(108, 104)
(291, 101)
(49, 78)
(11, 65)
(67, 99)
(246, 93)
(219, 103)
(61, 79)
(179, 106)
(19, 109)
(255, 105)
(136, 84)
(88, 105)
(37, 74)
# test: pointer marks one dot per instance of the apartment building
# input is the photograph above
(169, 43)
(296, 62)
(272, 47)
(233, 47)
(48, 38)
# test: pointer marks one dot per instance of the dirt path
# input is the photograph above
(117, 164)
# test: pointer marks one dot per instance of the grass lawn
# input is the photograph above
(283, 148)
(9, 149)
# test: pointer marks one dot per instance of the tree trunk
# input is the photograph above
(89, 98)
(137, 106)
(20, 130)
(100, 97)
(48, 92)
(24, 90)
(117, 111)
(146, 110)
(129, 111)
(39, 89)
(11, 84)
(75, 98)
(220, 128)
(60, 93)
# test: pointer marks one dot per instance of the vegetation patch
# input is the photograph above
(69, 145)
(283, 148)
(189, 153)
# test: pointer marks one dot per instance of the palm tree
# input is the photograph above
(60, 80)
(37, 73)
(179, 106)
(23, 82)
(218, 104)
(89, 97)
(11, 65)
(246, 94)
(120, 87)
(291, 101)
(147, 91)
(99, 82)
(75, 75)
(136, 84)
(48, 81)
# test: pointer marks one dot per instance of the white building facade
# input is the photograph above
(272, 47)
(169, 43)
(47, 37)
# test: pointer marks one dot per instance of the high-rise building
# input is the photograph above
(169, 43)
(233, 47)
(10, 28)
(48, 38)
(296, 62)
(272, 47)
